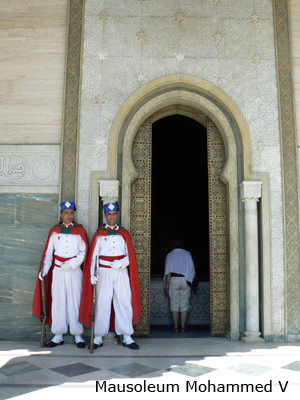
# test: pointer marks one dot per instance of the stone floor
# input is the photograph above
(200, 367)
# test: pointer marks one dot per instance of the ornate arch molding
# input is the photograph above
(214, 95)
(224, 113)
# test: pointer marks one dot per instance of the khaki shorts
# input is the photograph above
(180, 294)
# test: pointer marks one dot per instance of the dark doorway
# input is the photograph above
(179, 192)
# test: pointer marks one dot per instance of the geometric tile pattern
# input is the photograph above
(18, 368)
(192, 370)
(140, 215)
(197, 361)
(250, 369)
(133, 370)
(75, 369)
(72, 98)
(289, 168)
(218, 242)
(295, 366)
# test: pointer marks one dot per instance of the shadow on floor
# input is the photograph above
(163, 331)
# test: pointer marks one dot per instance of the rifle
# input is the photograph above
(93, 308)
(44, 310)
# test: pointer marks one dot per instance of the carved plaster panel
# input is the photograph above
(33, 165)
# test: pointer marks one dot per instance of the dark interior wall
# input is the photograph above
(179, 191)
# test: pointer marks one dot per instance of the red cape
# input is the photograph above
(87, 290)
(37, 299)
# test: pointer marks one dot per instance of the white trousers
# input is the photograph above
(66, 294)
(113, 285)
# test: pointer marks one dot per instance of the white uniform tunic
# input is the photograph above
(113, 285)
(66, 285)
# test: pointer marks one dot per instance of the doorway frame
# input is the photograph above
(185, 92)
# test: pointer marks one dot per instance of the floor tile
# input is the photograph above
(75, 369)
(18, 368)
(192, 370)
(250, 369)
(133, 370)
(294, 366)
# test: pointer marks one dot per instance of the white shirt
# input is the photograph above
(181, 262)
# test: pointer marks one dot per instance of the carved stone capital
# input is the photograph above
(250, 190)
(109, 190)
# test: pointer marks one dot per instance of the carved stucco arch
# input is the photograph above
(169, 83)
(222, 110)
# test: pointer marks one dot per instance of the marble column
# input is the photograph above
(250, 194)
(109, 193)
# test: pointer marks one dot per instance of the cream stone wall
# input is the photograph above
(32, 62)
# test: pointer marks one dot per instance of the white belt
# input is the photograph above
(103, 262)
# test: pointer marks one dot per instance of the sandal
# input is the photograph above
(183, 330)
(174, 330)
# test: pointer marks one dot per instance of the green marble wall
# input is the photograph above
(25, 220)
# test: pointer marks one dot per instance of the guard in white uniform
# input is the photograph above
(66, 249)
(113, 285)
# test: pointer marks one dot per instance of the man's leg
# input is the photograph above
(174, 302)
(58, 309)
(175, 317)
(183, 318)
(123, 308)
(122, 303)
(74, 289)
(103, 304)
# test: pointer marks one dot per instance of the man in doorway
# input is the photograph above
(117, 295)
(64, 255)
(179, 269)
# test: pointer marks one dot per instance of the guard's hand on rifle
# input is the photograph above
(94, 279)
(66, 266)
(41, 277)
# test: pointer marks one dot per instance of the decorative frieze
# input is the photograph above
(34, 165)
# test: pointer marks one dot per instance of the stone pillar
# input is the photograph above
(109, 193)
(250, 194)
